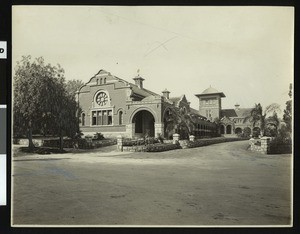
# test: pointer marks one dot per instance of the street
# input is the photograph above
(221, 184)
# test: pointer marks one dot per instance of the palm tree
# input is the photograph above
(258, 116)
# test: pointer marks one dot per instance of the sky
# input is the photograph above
(245, 52)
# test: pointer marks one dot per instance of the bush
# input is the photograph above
(280, 146)
(161, 147)
(98, 136)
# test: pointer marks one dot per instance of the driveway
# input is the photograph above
(222, 184)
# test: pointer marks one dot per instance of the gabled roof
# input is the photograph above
(176, 100)
(228, 113)
(243, 112)
(135, 89)
(240, 112)
(196, 112)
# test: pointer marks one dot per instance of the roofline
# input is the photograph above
(208, 94)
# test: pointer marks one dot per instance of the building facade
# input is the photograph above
(113, 106)
(232, 121)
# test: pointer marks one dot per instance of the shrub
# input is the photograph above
(98, 136)
(161, 147)
(281, 146)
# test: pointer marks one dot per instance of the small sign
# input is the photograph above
(3, 50)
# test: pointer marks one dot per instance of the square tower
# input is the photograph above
(210, 103)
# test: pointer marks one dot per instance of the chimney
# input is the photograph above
(139, 81)
(166, 93)
(237, 106)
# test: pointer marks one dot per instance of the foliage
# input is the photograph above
(259, 117)
(72, 86)
(205, 142)
(98, 136)
(161, 147)
(246, 132)
(41, 102)
(287, 115)
(180, 122)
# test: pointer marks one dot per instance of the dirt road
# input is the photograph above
(222, 184)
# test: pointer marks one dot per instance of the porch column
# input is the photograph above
(159, 129)
(130, 130)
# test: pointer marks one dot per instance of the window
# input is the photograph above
(104, 80)
(102, 117)
(101, 81)
(102, 99)
(94, 118)
(83, 119)
(120, 117)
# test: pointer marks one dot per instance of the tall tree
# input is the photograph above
(40, 98)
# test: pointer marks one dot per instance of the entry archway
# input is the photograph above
(238, 131)
(228, 129)
(143, 122)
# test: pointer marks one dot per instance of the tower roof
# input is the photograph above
(210, 91)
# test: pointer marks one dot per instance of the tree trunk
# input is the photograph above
(61, 141)
(30, 142)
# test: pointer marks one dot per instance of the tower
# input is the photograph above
(210, 103)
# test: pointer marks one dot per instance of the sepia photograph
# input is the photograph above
(152, 116)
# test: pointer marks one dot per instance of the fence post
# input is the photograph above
(192, 138)
(175, 138)
(265, 144)
(119, 143)
(251, 142)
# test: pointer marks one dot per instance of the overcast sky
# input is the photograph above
(245, 52)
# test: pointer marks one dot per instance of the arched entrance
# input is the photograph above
(222, 129)
(238, 131)
(228, 129)
(143, 122)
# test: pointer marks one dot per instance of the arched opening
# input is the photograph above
(228, 129)
(120, 117)
(83, 119)
(222, 129)
(256, 132)
(238, 131)
(104, 81)
(143, 124)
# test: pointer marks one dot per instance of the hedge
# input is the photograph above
(205, 142)
(159, 147)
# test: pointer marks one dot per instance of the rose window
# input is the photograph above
(102, 99)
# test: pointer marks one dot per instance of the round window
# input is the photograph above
(101, 99)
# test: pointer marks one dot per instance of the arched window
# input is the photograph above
(104, 81)
(101, 81)
(120, 117)
(83, 119)
(97, 81)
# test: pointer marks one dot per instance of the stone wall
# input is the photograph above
(261, 145)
